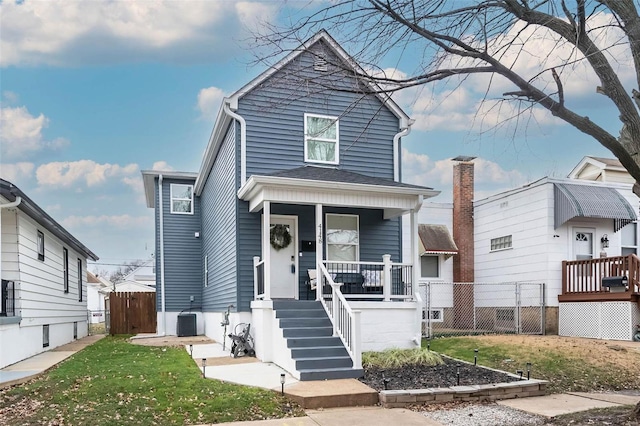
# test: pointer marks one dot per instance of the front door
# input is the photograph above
(284, 259)
(583, 243)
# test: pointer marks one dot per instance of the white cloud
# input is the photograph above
(419, 169)
(63, 33)
(17, 171)
(209, 101)
(124, 221)
(22, 133)
(68, 173)
(162, 166)
(9, 97)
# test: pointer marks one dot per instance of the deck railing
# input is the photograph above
(346, 321)
(582, 279)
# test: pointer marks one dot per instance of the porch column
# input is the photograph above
(266, 248)
(415, 256)
(319, 250)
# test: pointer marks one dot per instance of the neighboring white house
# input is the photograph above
(534, 233)
(43, 297)
(144, 274)
(128, 286)
(95, 298)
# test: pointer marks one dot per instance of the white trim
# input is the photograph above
(243, 140)
(148, 179)
(336, 141)
(326, 243)
(172, 198)
(582, 229)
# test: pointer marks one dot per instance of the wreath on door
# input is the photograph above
(280, 237)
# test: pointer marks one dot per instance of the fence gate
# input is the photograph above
(456, 309)
(132, 313)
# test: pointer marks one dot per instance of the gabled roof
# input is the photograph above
(149, 178)
(98, 281)
(224, 117)
(599, 163)
(435, 239)
(128, 286)
(11, 192)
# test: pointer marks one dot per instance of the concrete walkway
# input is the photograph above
(573, 402)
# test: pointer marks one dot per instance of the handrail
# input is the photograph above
(346, 321)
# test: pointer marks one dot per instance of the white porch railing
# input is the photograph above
(346, 321)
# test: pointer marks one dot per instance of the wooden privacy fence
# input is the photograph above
(132, 313)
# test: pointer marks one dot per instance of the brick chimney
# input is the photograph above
(463, 220)
(463, 262)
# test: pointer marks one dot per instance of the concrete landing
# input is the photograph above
(556, 405)
(332, 393)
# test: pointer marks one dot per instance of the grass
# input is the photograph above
(393, 358)
(115, 382)
(565, 372)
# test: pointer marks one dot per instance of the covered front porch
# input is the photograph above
(334, 237)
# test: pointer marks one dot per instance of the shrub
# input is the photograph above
(393, 358)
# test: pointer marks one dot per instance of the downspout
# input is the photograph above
(162, 298)
(14, 203)
(396, 144)
(243, 142)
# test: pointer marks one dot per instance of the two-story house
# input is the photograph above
(43, 297)
(293, 222)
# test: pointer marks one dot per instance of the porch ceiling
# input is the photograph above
(333, 189)
(573, 200)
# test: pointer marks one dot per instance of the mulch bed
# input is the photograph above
(439, 376)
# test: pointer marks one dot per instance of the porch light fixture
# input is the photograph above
(604, 241)
(282, 384)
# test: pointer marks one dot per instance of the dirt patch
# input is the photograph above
(173, 341)
(601, 353)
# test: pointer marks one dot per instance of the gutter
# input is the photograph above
(162, 298)
(396, 146)
(14, 203)
(243, 141)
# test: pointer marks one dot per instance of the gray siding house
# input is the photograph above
(293, 222)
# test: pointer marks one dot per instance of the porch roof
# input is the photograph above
(334, 187)
(572, 200)
(435, 239)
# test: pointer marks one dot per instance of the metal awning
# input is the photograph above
(572, 200)
(435, 239)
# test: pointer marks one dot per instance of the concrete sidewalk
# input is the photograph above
(566, 403)
(29, 368)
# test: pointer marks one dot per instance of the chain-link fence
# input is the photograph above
(97, 320)
(453, 309)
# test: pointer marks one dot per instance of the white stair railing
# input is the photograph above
(346, 321)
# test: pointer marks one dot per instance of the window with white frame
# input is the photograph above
(343, 240)
(206, 270)
(501, 243)
(321, 139)
(181, 199)
(79, 280)
(40, 245)
(65, 269)
(629, 237)
(430, 266)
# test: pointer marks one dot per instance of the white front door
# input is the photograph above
(284, 259)
(583, 243)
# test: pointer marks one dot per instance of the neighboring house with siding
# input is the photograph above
(299, 189)
(95, 298)
(144, 274)
(566, 233)
(43, 298)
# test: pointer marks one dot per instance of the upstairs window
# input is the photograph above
(181, 199)
(40, 245)
(79, 280)
(321, 139)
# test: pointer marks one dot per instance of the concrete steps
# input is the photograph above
(317, 354)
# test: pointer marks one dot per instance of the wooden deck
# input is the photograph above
(582, 279)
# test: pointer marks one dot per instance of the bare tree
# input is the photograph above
(122, 271)
(483, 39)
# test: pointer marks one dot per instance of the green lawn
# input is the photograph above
(115, 382)
(565, 369)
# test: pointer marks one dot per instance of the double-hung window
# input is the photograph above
(321, 139)
(181, 199)
(65, 269)
(343, 240)
(79, 280)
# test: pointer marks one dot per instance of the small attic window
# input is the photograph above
(320, 63)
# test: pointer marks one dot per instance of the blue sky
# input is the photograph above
(93, 92)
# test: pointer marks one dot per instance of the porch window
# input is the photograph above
(321, 139)
(629, 236)
(181, 199)
(430, 266)
(40, 245)
(343, 240)
(65, 269)
(7, 299)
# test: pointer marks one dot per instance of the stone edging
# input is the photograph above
(484, 393)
